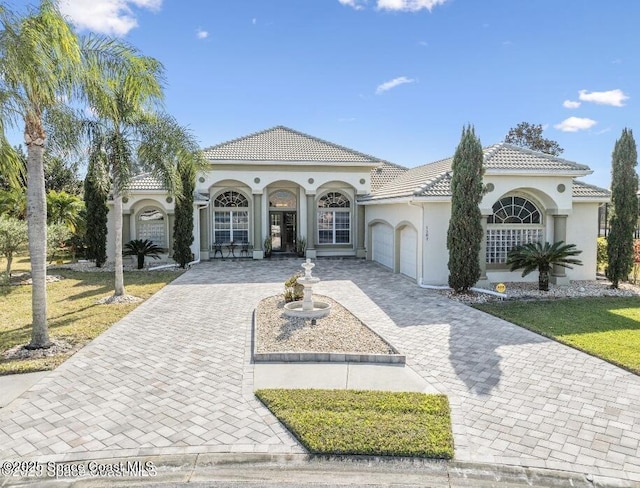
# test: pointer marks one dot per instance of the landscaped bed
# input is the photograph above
(74, 316)
(339, 332)
(608, 328)
(365, 422)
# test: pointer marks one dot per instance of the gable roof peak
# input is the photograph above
(282, 143)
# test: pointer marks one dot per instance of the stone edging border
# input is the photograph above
(327, 357)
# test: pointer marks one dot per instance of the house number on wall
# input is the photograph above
(426, 233)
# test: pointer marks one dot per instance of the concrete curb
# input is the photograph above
(229, 469)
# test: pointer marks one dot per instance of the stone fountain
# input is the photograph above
(308, 308)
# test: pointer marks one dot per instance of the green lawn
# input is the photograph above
(73, 314)
(365, 422)
(605, 327)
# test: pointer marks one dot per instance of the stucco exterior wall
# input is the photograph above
(582, 230)
(135, 203)
(436, 255)
(545, 189)
(309, 177)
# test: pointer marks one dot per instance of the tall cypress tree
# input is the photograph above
(183, 225)
(464, 236)
(624, 189)
(95, 201)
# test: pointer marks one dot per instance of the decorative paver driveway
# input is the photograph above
(174, 376)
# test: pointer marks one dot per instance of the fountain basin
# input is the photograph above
(295, 309)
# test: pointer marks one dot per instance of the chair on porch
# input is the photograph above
(245, 247)
(217, 248)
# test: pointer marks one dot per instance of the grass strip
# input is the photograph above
(356, 422)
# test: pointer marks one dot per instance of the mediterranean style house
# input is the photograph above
(292, 192)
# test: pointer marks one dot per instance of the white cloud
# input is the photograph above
(409, 5)
(201, 34)
(356, 4)
(388, 85)
(254, 21)
(611, 97)
(574, 124)
(571, 104)
(113, 17)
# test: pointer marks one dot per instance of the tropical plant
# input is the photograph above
(63, 208)
(301, 246)
(13, 238)
(624, 189)
(141, 249)
(542, 257)
(465, 233)
(128, 133)
(13, 203)
(43, 65)
(95, 201)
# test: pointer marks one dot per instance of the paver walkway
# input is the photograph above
(174, 376)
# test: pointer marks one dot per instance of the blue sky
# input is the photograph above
(396, 79)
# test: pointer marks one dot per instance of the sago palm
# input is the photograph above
(542, 257)
(141, 249)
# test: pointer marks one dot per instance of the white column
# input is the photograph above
(257, 226)
(311, 227)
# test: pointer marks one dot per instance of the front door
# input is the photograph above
(283, 231)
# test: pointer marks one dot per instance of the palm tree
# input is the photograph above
(142, 248)
(129, 133)
(63, 208)
(42, 64)
(39, 58)
(542, 257)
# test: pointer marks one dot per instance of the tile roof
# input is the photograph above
(433, 179)
(145, 181)
(585, 190)
(384, 174)
(504, 156)
(284, 144)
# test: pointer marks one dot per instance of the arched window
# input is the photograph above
(283, 199)
(515, 221)
(334, 219)
(514, 210)
(231, 199)
(230, 218)
(151, 224)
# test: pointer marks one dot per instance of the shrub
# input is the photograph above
(602, 254)
(293, 291)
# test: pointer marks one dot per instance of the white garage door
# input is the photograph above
(382, 237)
(408, 252)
